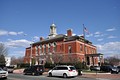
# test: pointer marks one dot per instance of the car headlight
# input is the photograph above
(114, 69)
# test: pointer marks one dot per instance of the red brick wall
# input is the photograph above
(62, 48)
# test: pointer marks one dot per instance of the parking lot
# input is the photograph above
(18, 75)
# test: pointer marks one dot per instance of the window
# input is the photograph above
(40, 48)
(72, 68)
(69, 49)
(85, 49)
(54, 47)
(37, 50)
(44, 48)
(60, 48)
(62, 68)
(49, 47)
(81, 47)
(92, 51)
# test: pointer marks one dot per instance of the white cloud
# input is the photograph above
(97, 33)
(110, 48)
(3, 32)
(111, 29)
(12, 33)
(100, 39)
(112, 37)
(21, 32)
(17, 43)
(36, 38)
(90, 35)
(18, 53)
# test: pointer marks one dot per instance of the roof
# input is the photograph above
(65, 38)
(56, 38)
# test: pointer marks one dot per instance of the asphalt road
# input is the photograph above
(45, 77)
(42, 77)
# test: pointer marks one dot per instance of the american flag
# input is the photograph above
(85, 30)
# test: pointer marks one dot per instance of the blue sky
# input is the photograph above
(24, 21)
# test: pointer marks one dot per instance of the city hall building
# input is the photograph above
(61, 48)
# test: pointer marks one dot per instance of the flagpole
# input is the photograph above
(84, 43)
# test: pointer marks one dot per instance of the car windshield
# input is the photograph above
(1, 69)
(118, 67)
(72, 68)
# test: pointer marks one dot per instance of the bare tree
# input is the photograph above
(3, 53)
(3, 49)
(15, 60)
(112, 60)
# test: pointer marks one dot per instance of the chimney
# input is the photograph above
(41, 38)
(69, 32)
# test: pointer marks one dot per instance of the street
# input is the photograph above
(45, 77)
(42, 77)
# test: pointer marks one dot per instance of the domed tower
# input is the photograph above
(52, 31)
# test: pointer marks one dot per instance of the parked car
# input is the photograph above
(34, 70)
(118, 68)
(95, 68)
(3, 73)
(10, 69)
(64, 71)
(109, 68)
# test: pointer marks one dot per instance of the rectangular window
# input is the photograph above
(81, 47)
(44, 48)
(69, 49)
(85, 50)
(37, 50)
(40, 49)
(54, 47)
(49, 45)
(48, 49)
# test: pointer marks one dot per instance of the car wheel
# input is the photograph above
(41, 73)
(5, 78)
(33, 73)
(117, 72)
(50, 74)
(64, 75)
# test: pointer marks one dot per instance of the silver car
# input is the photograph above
(3, 74)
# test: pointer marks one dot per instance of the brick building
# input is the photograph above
(60, 48)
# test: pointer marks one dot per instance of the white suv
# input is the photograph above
(3, 74)
(63, 70)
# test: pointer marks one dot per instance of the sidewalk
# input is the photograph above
(101, 75)
(18, 71)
